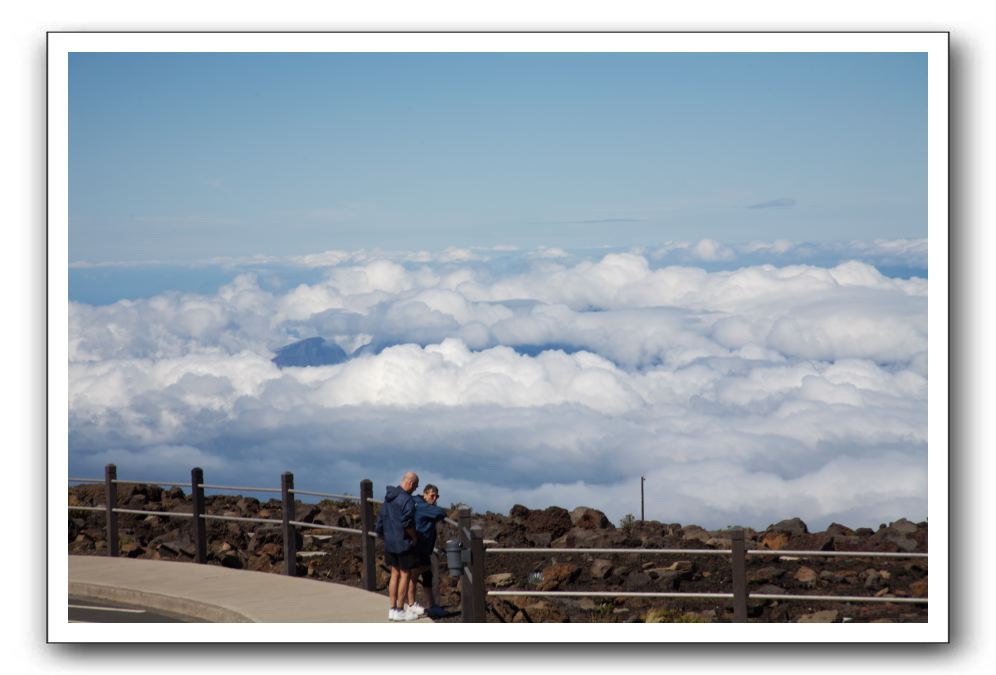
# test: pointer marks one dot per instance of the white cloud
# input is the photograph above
(710, 250)
(552, 252)
(751, 394)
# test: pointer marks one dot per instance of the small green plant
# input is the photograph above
(627, 523)
(670, 615)
(602, 613)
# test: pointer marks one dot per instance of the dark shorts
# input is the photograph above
(423, 563)
(403, 561)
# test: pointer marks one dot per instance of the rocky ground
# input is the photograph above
(336, 557)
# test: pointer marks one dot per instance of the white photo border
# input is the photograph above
(934, 44)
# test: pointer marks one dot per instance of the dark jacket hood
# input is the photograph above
(393, 492)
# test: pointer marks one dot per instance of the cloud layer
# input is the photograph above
(744, 396)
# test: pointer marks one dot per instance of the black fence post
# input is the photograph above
(478, 591)
(199, 525)
(739, 577)
(466, 590)
(367, 527)
(289, 514)
(111, 500)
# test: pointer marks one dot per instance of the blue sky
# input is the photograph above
(188, 156)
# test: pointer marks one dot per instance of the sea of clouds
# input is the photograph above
(744, 395)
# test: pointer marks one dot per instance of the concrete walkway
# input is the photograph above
(221, 595)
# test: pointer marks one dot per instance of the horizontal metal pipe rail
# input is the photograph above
(168, 514)
(839, 554)
(324, 494)
(723, 596)
(242, 519)
(681, 551)
(319, 526)
(614, 594)
(835, 598)
(171, 483)
(241, 488)
(712, 551)
(103, 509)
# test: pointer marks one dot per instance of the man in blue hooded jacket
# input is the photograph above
(396, 524)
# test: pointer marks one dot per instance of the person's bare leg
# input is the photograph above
(411, 588)
(392, 587)
(404, 577)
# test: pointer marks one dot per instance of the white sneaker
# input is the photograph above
(408, 615)
(416, 609)
(395, 615)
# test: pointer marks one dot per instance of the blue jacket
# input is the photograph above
(426, 517)
(396, 514)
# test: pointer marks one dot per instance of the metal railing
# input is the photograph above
(739, 594)
(471, 549)
(200, 517)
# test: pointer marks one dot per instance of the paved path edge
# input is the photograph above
(183, 607)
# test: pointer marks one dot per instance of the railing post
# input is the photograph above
(111, 499)
(367, 527)
(435, 568)
(289, 513)
(478, 590)
(466, 590)
(739, 577)
(199, 525)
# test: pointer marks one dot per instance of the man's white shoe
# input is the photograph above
(416, 609)
(408, 615)
(395, 615)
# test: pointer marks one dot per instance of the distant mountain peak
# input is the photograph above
(315, 351)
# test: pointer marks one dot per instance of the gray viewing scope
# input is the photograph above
(456, 557)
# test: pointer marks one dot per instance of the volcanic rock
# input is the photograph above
(766, 574)
(695, 533)
(553, 521)
(558, 574)
(775, 540)
(590, 519)
(807, 577)
(500, 580)
(518, 511)
(637, 581)
(825, 616)
(836, 529)
(790, 526)
(601, 568)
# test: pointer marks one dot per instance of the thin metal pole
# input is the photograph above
(466, 589)
(290, 533)
(366, 527)
(436, 572)
(111, 500)
(199, 524)
(642, 479)
(477, 572)
(739, 577)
